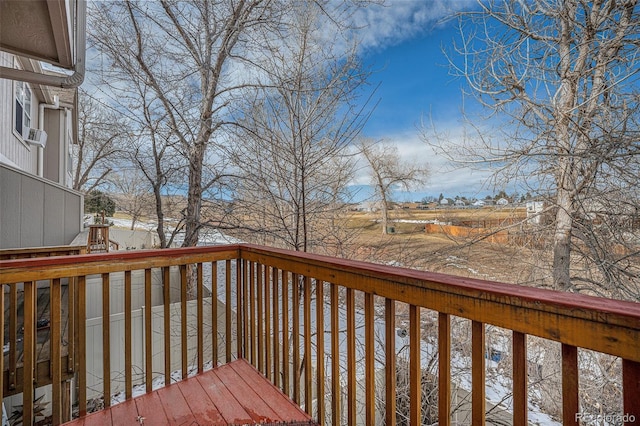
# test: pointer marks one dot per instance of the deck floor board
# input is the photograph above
(231, 394)
(204, 410)
(253, 404)
(150, 409)
(125, 413)
(278, 401)
(178, 412)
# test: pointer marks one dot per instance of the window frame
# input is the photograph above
(22, 109)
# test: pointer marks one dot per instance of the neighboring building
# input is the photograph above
(534, 212)
(502, 202)
(459, 203)
(479, 203)
(369, 206)
(410, 206)
(38, 124)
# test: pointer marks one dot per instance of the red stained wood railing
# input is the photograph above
(277, 313)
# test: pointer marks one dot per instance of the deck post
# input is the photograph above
(631, 390)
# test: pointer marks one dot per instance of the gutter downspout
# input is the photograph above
(66, 82)
(41, 107)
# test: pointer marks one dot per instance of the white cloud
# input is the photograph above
(398, 20)
(444, 176)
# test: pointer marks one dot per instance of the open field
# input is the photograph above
(409, 246)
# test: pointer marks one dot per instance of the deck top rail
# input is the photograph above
(31, 252)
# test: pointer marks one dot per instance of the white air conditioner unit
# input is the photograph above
(35, 136)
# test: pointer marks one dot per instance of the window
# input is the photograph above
(23, 107)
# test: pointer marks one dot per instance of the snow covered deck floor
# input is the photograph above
(234, 393)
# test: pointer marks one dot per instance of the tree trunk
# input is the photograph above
(194, 198)
(160, 216)
(565, 181)
(562, 242)
(385, 214)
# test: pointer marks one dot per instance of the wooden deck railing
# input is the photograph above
(13, 335)
(319, 327)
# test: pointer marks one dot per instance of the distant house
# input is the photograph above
(368, 206)
(444, 202)
(479, 203)
(502, 202)
(459, 203)
(534, 211)
(410, 206)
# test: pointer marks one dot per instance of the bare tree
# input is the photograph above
(561, 79)
(101, 137)
(155, 153)
(190, 57)
(293, 134)
(132, 194)
(389, 173)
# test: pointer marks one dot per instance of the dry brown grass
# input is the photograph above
(409, 246)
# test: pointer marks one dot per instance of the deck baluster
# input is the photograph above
(320, 350)
(106, 340)
(148, 330)
(570, 403)
(370, 371)
(351, 358)
(276, 328)
(390, 361)
(336, 393)
(444, 370)
(415, 373)
(128, 362)
(200, 315)
(520, 406)
(631, 390)
(214, 313)
(307, 345)
(295, 333)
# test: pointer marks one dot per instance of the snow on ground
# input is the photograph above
(126, 223)
(456, 262)
(418, 221)
(208, 236)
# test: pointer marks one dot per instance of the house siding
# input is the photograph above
(34, 212)
(52, 152)
(12, 150)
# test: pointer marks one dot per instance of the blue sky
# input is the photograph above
(402, 42)
(414, 80)
(404, 47)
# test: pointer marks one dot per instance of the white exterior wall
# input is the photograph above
(13, 150)
(57, 163)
